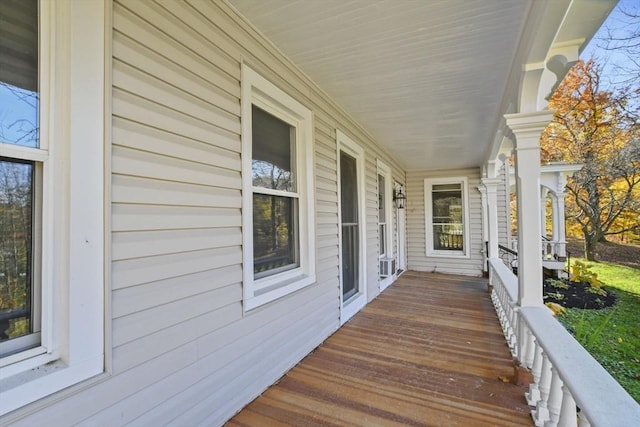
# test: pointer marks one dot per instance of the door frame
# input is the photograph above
(389, 239)
(401, 230)
(356, 302)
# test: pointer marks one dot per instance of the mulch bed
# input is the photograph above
(577, 296)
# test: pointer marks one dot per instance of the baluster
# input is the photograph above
(541, 413)
(533, 395)
(555, 399)
(568, 412)
(531, 348)
(513, 324)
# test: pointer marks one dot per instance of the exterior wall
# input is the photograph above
(180, 351)
(416, 240)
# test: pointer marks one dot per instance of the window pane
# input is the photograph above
(275, 234)
(448, 224)
(273, 146)
(16, 212)
(382, 229)
(19, 73)
(381, 200)
(348, 189)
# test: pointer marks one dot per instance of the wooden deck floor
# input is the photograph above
(428, 351)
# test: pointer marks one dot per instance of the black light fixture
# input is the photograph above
(399, 198)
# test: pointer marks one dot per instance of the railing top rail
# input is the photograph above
(508, 279)
(602, 398)
(507, 250)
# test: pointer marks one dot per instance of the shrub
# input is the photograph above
(580, 273)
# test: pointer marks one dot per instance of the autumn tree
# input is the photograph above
(597, 128)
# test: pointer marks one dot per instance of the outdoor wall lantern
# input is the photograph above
(399, 198)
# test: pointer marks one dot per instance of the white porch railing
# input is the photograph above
(551, 249)
(570, 387)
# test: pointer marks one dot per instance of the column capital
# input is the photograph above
(527, 127)
(491, 184)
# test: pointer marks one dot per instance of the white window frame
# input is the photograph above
(385, 171)
(258, 91)
(72, 128)
(348, 308)
(428, 191)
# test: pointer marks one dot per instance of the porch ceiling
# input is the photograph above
(427, 79)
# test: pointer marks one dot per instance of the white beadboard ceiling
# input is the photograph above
(425, 78)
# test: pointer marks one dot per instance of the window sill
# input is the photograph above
(447, 254)
(29, 386)
(278, 290)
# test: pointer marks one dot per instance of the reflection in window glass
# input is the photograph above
(273, 152)
(275, 242)
(16, 213)
(19, 73)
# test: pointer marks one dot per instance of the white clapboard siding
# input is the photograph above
(416, 239)
(181, 350)
(205, 377)
(136, 136)
(137, 190)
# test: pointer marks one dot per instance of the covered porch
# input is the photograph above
(429, 350)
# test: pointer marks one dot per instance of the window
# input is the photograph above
(384, 210)
(51, 197)
(447, 217)
(382, 216)
(21, 164)
(278, 220)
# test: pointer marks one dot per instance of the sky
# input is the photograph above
(616, 65)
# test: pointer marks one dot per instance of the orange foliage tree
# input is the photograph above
(599, 129)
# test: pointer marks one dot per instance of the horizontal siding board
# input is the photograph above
(127, 161)
(137, 325)
(134, 81)
(137, 217)
(187, 37)
(145, 270)
(144, 111)
(139, 298)
(137, 136)
(140, 244)
(127, 23)
(139, 190)
(135, 54)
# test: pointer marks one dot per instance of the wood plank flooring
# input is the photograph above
(427, 351)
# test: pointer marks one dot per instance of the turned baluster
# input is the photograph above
(541, 413)
(554, 402)
(568, 411)
(533, 395)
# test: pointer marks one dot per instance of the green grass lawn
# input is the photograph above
(612, 335)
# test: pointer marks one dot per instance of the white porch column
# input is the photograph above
(527, 128)
(555, 219)
(491, 187)
(543, 211)
(558, 221)
(485, 226)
